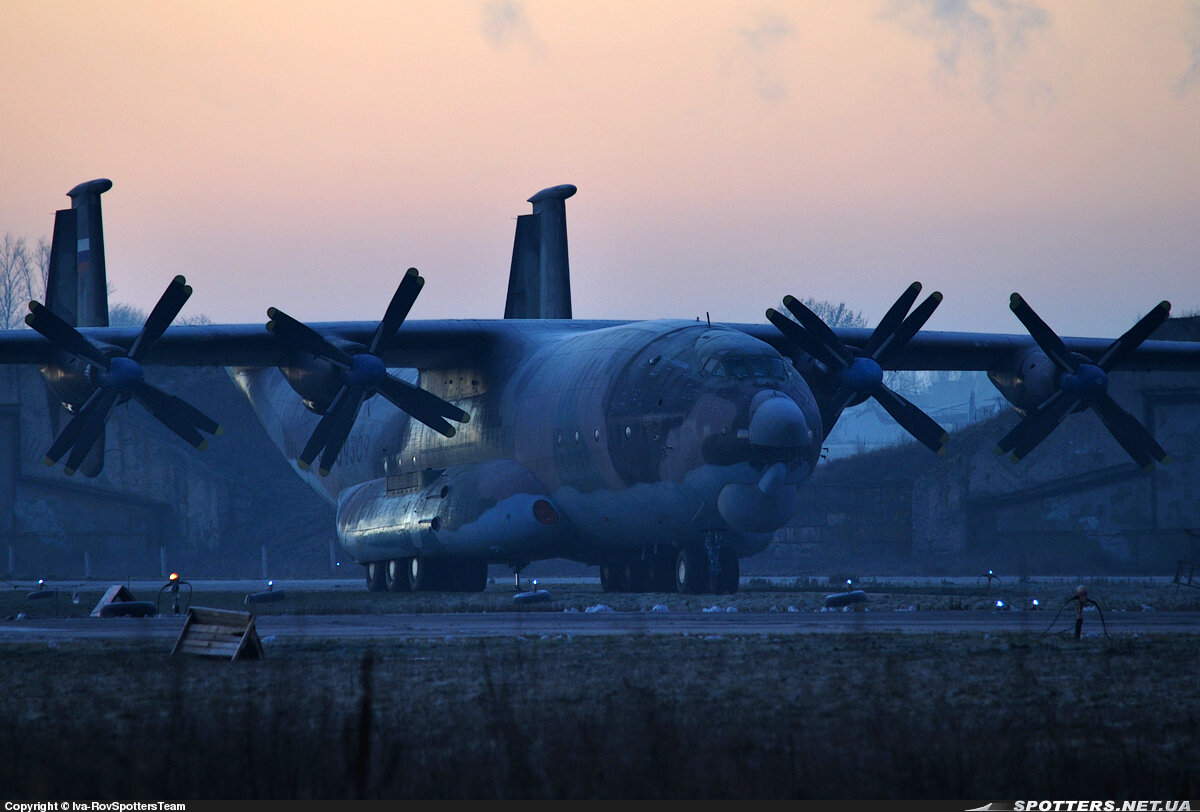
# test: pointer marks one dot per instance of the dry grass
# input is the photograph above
(803, 716)
(884, 716)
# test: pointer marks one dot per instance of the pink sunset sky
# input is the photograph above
(303, 154)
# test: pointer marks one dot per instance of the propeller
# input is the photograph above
(117, 378)
(1082, 383)
(361, 375)
(859, 373)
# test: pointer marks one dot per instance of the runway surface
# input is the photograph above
(399, 627)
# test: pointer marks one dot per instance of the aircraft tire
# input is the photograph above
(376, 576)
(396, 575)
(691, 570)
(422, 575)
(728, 579)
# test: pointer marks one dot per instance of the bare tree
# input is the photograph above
(123, 314)
(43, 266)
(840, 315)
(126, 315)
(16, 280)
(835, 315)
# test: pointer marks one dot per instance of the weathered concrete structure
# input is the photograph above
(159, 505)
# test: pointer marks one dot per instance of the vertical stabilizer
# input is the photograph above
(539, 281)
(77, 292)
(77, 283)
(61, 295)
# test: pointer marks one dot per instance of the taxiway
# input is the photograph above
(401, 627)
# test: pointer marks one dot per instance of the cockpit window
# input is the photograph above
(746, 366)
(729, 353)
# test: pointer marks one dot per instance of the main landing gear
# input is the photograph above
(698, 567)
(420, 574)
(653, 572)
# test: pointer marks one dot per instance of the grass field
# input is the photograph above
(803, 716)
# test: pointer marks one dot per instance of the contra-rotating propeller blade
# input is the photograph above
(361, 375)
(119, 378)
(859, 373)
(64, 336)
(1081, 382)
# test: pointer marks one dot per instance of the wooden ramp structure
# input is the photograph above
(219, 633)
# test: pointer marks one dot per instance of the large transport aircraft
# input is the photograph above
(663, 451)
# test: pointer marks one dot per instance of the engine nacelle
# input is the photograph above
(1032, 380)
(74, 380)
(494, 510)
(314, 379)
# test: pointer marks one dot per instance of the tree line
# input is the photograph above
(24, 269)
(23, 272)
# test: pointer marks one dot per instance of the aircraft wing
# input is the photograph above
(1044, 376)
(448, 343)
(430, 344)
(994, 351)
(338, 364)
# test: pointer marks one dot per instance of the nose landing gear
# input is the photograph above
(707, 566)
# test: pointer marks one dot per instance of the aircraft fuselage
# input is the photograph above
(637, 436)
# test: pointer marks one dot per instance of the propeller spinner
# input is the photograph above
(1080, 382)
(859, 373)
(361, 375)
(118, 377)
